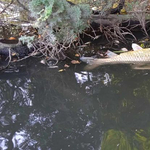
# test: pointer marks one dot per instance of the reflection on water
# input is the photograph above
(106, 109)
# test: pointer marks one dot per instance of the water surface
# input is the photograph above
(105, 109)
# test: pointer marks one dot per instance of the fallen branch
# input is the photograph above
(114, 19)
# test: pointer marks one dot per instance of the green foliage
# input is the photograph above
(27, 39)
(142, 138)
(119, 140)
(115, 140)
(58, 21)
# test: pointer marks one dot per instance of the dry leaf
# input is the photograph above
(14, 59)
(87, 43)
(43, 61)
(39, 36)
(66, 66)
(12, 38)
(61, 70)
(75, 62)
(76, 39)
(14, 54)
(77, 55)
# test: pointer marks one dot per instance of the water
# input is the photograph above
(105, 109)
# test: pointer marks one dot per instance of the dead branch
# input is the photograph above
(7, 6)
(21, 5)
(114, 19)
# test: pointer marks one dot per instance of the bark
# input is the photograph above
(114, 19)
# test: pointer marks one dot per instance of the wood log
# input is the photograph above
(117, 19)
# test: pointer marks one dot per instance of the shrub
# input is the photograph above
(58, 23)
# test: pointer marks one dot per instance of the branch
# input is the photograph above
(114, 19)
(7, 6)
(21, 5)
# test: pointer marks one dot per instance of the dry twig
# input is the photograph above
(7, 6)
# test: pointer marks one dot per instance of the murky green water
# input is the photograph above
(43, 109)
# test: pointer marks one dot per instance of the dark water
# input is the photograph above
(43, 109)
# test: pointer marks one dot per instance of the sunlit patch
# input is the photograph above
(4, 120)
(83, 77)
(22, 140)
(23, 92)
(107, 79)
(44, 120)
(9, 83)
(3, 143)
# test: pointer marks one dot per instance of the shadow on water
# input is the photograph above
(105, 109)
